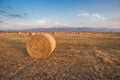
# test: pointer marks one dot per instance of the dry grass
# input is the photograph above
(78, 56)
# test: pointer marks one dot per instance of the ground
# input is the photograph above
(78, 56)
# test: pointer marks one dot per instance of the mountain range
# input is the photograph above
(64, 29)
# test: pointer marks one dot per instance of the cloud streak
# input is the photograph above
(45, 24)
(23, 25)
(1, 21)
(91, 16)
(41, 21)
(12, 15)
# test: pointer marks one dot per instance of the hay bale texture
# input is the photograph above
(40, 45)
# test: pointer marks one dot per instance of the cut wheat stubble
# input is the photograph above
(40, 46)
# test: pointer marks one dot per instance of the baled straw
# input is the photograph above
(40, 45)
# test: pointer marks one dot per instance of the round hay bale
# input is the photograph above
(32, 33)
(40, 45)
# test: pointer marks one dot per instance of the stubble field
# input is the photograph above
(78, 56)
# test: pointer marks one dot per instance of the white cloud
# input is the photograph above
(115, 20)
(25, 25)
(66, 25)
(98, 16)
(56, 23)
(45, 24)
(83, 14)
(16, 25)
(41, 21)
(91, 16)
(62, 24)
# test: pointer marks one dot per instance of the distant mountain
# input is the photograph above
(62, 29)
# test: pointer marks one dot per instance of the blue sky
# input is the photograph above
(24, 14)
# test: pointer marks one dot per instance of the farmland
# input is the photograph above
(78, 56)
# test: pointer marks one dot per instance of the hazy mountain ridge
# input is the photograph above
(71, 29)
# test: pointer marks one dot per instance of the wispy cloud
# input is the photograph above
(62, 24)
(114, 22)
(99, 16)
(45, 24)
(23, 15)
(16, 25)
(91, 16)
(83, 14)
(28, 25)
(116, 19)
(1, 21)
(4, 13)
(41, 21)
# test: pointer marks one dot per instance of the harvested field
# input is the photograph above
(78, 56)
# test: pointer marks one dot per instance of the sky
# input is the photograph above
(27, 14)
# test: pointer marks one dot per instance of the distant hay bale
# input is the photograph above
(78, 32)
(19, 33)
(40, 46)
(53, 33)
(32, 33)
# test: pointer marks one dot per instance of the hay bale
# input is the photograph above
(40, 46)
(53, 33)
(19, 33)
(32, 33)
